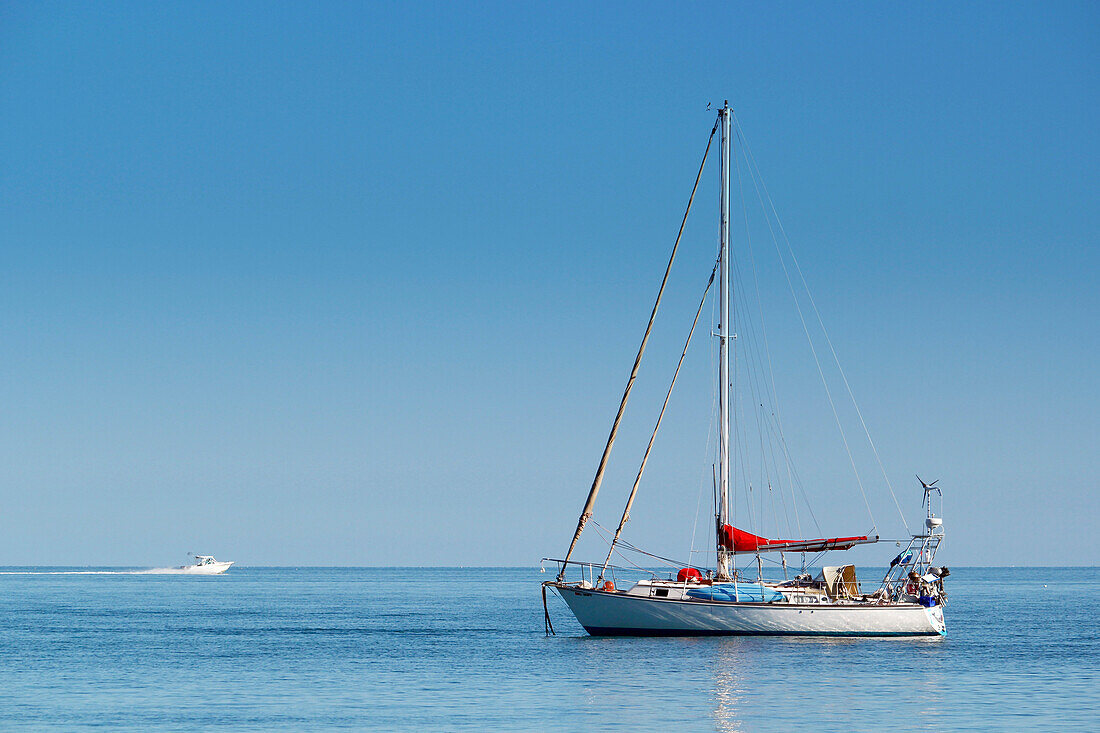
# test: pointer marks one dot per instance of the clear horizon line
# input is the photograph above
(478, 567)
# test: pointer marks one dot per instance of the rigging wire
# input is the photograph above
(759, 387)
(767, 348)
(604, 533)
(624, 544)
(590, 502)
(817, 313)
(706, 452)
(755, 378)
(660, 418)
(770, 438)
(809, 339)
(798, 481)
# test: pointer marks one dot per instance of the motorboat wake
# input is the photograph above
(203, 565)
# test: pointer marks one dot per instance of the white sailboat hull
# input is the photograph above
(620, 614)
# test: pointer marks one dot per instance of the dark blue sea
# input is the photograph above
(268, 649)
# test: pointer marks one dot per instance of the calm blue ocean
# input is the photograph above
(447, 649)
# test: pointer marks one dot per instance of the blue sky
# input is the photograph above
(361, 283)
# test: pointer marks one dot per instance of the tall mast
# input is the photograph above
(723, 347)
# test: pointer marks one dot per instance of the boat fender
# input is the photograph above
(608, 586)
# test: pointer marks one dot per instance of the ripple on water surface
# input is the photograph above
(414, 649)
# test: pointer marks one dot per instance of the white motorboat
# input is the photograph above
(205, 565)
(726, 599)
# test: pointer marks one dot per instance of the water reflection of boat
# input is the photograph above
(205, 565)
(729, 688)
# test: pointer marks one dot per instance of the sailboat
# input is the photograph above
(725, 599)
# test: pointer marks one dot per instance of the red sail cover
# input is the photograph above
(687, 573)
(739, 541)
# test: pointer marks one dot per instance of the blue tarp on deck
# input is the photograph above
(740, 592)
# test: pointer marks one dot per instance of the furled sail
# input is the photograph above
(739, 541)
